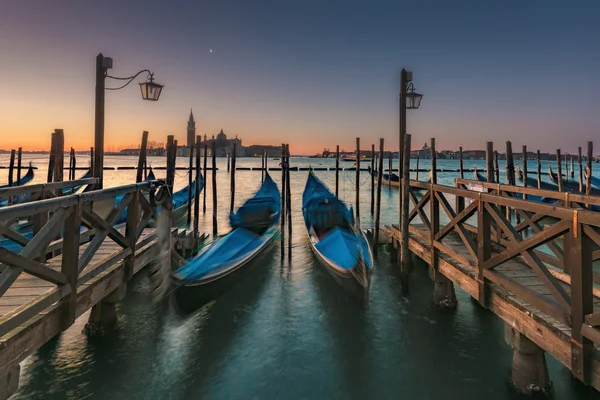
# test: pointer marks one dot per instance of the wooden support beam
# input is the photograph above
(404, 253)
(142, 157)
(70, 265)
(375, 245)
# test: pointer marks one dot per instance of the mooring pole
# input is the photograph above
(372, 179)
(71, 164)
(588, 179)
(460, 163)
(170, 181)
(59, 155)
(496, 167)
(489, 162)
(197, 192)
(214, 185)
(228, 162)
(283, 198)
(566, 168)
(404, 253)
(572, 168)
(524, 168)
(233, 179)
(337, 169)
(205, 176)
(401, 125)
(141, 157)
(357, 201)
(510, 164)
(539, 169)
(19, 159)
(559, 170)
(190, 183)
(288, 193)
(11, 167)
(262, 166)
(580, 169)
(378, 212)
(74, 163)
(417, 172)
(390, 169)
(92, 160)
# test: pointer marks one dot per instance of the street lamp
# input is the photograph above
(150, 91)
(413, 99)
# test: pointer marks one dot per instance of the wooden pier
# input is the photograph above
(535, 274)
(75, 259)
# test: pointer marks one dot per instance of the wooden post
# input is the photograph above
(283, 198)
(197, 192)
(288, 193)
(74, 164)
(214, 185)
(460, 163)
(92, 160)
(71, 164)
(262, 167)
(378, 212)
(404, 253)
(19, 159)
(579, 162)
(539, 170)
(98, 171)
(142, 156)
(11, 168)
(402, 123)
(588, 180)
(52, 158)
(337, 169)
(372, 179)
(170, 164)
(190, 183)
(524, 169)
(390, 169)
(489, 161)
(357, 200)
(572, 168)
(232, 188)
(59, 155)
(496, 167)
(70, 265)
(205, 177)
(228, 162)
(566, 168)
(484, 249)
(559, 170)
(266, 162)
(510, 165)
(578, 254)
(417, 172)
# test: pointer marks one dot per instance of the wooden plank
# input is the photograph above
(101, 224)
(31, 267)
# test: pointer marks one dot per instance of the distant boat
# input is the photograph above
(336, 238)
(224, 262)
(276, 158)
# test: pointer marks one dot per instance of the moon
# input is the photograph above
(210, 50)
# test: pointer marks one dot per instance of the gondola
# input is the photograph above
(180, 201)
(71, 190)
(336, 238)
(28, 177)
(222, 263)
(570, 186)
(387, 179)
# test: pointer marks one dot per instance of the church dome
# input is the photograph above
(222, 138)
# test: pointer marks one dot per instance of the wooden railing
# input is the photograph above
(44, 190)
(70, 221)
(558, 242)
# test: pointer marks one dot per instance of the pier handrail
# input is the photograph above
(558, 254)
(66, 223)
(42, 187)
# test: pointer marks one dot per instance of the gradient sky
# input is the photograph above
(310, 73)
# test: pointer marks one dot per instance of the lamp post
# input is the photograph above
(409, 99)
(150, 91)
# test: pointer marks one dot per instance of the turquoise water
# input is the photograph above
(287, 331)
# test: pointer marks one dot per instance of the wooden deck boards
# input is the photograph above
(547, 332)
(27, 287)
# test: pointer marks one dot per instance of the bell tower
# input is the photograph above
(191, 130)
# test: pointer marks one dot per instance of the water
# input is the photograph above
(287, 331)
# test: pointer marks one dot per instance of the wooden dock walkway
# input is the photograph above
(530, 263)
(75, 260)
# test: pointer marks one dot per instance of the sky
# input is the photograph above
(313, 74)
